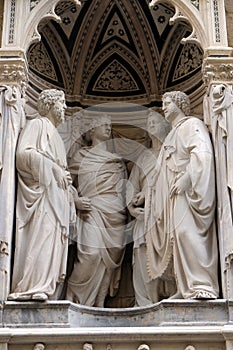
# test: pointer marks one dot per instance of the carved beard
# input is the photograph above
(59, 113)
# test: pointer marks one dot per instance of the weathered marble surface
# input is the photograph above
(165, 313)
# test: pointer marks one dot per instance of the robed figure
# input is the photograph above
(181, 221)
(99, 176)
(42, 209)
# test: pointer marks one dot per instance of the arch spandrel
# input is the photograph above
(188, 11)
(40, 11)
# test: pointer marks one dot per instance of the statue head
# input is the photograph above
(99, 121)
(180, 99)
(157, 125)
(143, 347)
(100, 128)
(87, 346)
(51, 104)
(39, 346)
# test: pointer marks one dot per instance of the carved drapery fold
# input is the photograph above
(11, 120)
(218, 111)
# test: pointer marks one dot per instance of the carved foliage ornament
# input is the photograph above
(195, 3)
(115, 77)
(40, 61)
(13, 74)
(190, 59)
(33, 4)
(222, 72)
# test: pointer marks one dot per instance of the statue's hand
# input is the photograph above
(83, 204)
(138, 199)
(181, 184)
(137, 212)
(62, 177)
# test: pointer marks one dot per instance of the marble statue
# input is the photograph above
(146, 291)
(143, 347)
(98, 175)
(12, 120)
(87, 346)
(39, 346)
(218, 110)
(181, 225)
(43, 208)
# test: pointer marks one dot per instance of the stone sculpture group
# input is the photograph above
(169, 195)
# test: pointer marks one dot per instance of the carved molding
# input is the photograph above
(217, 70)
(13, 71)
(216, 21)
(12, 23)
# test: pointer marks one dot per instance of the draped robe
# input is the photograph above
(42, 212)
(182, 227)
(100, 234)
(146, 291)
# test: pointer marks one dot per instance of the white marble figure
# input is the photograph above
(100, 218)
(88, 346)
(218, 113)
(42, 211)
(146, 291)
(182, 227)
(39, 346)
(143, 347)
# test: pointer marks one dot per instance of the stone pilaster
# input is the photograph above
(13, 82)
(218, 112)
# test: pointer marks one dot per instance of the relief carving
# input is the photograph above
(39, 346)
(217, 72)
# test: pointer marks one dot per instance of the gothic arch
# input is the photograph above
(152, 49)
(193, 12)
(39, 12)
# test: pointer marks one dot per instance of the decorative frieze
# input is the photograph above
(217, 70)
(12, 23)
(216, 21)
(13, 71)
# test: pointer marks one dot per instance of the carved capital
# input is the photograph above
(13, 71)
(217, 70)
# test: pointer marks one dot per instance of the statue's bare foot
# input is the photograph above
(40, 297)
(19, 297)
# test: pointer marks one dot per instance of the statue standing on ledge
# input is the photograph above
(146, 291)
(181, 228)
(99, 175)
(43, 208)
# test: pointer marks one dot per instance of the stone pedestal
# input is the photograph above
(165, 325)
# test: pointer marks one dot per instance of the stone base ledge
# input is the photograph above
(63, 314)
(206, 334)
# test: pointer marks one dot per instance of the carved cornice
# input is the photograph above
(217, 70)
(13, 71)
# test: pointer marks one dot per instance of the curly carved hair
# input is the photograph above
(180, 99)
(47, 98)
(98, 121)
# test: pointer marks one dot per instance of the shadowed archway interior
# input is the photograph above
(108, 50)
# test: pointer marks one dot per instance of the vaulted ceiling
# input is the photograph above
(114, 50)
